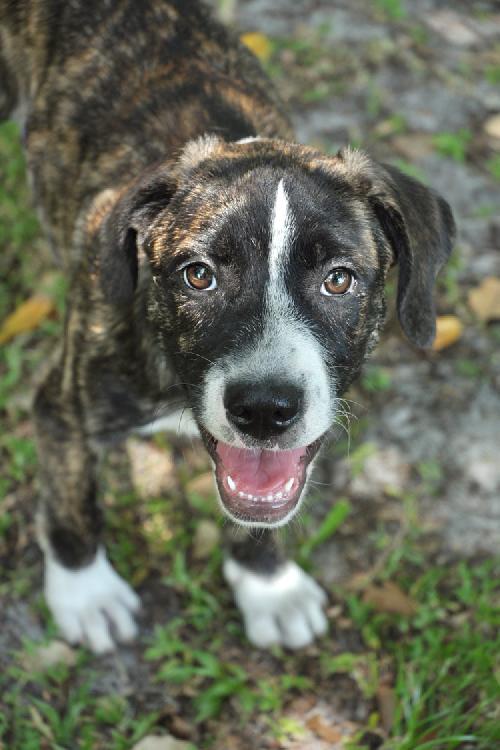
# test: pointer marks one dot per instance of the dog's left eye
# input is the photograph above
(338, 281)
(200, 277)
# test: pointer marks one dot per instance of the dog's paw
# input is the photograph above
(285, 608)
(91, 605)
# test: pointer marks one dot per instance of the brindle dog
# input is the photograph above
(199, 239)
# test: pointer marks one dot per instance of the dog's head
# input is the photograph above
(268, 263)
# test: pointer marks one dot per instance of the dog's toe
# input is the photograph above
(92, 605)
(281, 609)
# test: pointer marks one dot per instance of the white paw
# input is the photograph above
(285, 608)
(92, 604)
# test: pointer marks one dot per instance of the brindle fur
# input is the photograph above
(109, 92)
(95, 116)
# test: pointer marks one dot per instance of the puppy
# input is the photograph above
(216, 267)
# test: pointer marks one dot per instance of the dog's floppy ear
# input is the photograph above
(133, 214)
(419, 226)
(122, 228)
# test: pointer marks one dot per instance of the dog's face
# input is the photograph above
(268, 266)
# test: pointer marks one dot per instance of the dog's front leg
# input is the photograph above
(280, 603)
(90, 603)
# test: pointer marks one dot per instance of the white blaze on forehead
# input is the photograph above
(286, 348)
(282, 231)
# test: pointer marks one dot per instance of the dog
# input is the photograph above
(216, 268)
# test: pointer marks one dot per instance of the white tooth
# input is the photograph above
(231, 483)
(289, 484)
(241, 494)
(250, 497)
(270, 497)
(279, 495)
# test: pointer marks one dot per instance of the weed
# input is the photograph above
(376, 379)
(453, 145)
(411, 170)
(391, 9)
(492, 74)
(493, 166)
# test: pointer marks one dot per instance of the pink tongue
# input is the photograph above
(259, 471)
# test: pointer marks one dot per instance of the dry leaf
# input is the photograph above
(44, 657)
(323, 730)
(152, 468)
(206, 538)
(165, 742)
(484, 300)
(389, 598)
(448, 330)
(492, 126)
(259, 44)
(386, 700)
(27, 317)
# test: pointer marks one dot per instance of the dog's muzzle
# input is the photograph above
(259, 485)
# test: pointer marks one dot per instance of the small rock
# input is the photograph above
(452, 27)
(384, 471)
(164, 742)
(206, 538)
(44, 657)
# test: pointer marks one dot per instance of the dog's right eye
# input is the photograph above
(200, 277)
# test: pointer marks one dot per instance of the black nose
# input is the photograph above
(262, 410)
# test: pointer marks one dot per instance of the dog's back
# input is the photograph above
(102, 89)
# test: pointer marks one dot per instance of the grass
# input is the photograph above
(453, 145)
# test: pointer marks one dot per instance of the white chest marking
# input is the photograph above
(178, 423)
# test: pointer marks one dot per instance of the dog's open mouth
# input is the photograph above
(257, 485)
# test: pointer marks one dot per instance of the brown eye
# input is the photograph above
(200, 277)
(338, 281)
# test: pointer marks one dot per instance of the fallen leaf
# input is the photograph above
(389, 598)
(27, 317)
(46, 656)
(181, 728)
(152, 468)
(259, 44)
(323, 730)
(165, 742)
(386, 700)
(492, 126)
(206, 537)
(448, 330)
(484, 300)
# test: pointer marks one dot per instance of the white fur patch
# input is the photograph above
(282, 227)
(286, 346)
(283, 609)
(178, 423)
(250, 139)
(86, 602)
